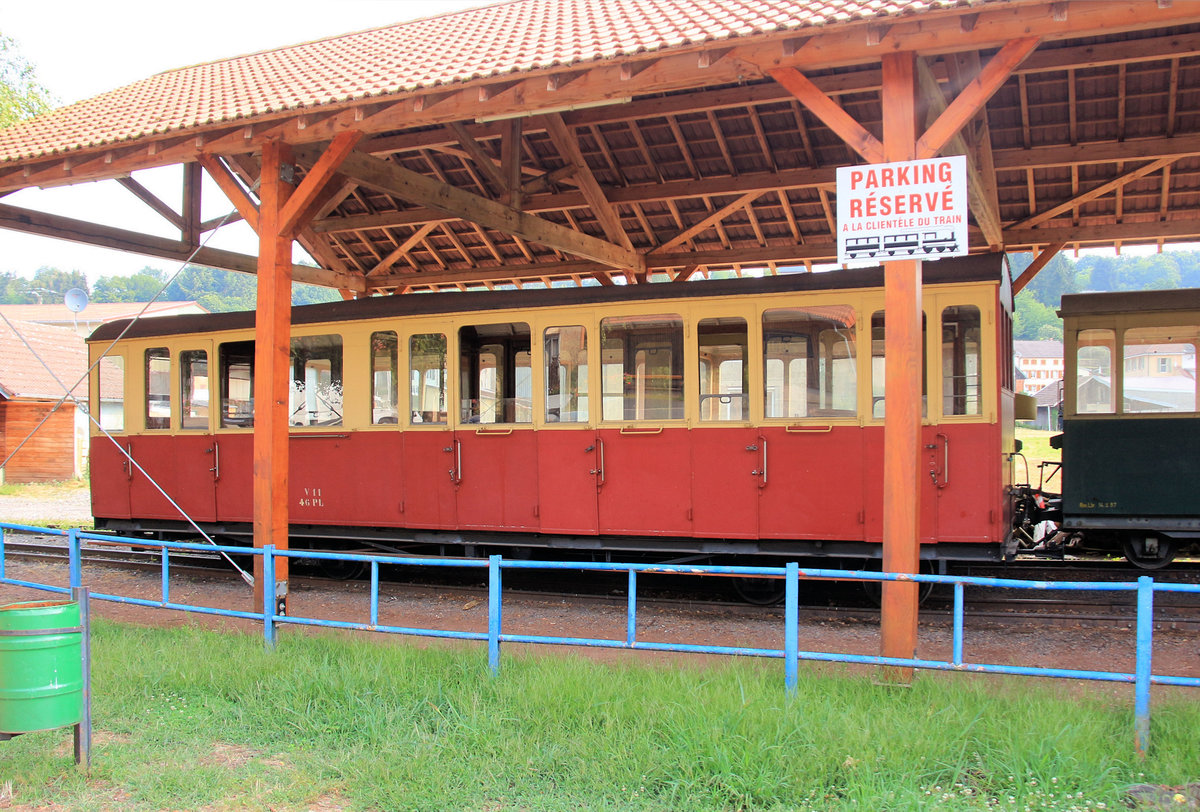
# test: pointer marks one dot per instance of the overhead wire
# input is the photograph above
(70, 396)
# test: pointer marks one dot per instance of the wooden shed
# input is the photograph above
(49, 439)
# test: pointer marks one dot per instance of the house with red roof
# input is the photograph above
(95, 314)
(45, 435)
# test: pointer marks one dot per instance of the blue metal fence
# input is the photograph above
(1142, 677)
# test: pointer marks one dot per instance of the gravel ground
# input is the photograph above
(69, 507)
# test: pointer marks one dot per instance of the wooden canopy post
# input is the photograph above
(272, 353)
(902, 389)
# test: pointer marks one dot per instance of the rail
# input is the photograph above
(1145, 588)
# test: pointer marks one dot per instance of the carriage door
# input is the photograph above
(644, 462)
(177, 450)
(430, 452)
(727, 455)
(495, 446)
(109, 468)
(568, 449)
(959, 449)
(812, 452)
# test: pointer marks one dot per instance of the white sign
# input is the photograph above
(903, 210)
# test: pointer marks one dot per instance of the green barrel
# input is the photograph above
(41, 666)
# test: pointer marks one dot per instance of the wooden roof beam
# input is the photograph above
(974, 96)
(829, 112)
(232, 187)
(715, 217)
(318, 184)
(66, 228)
(1092, 194)
(414, 187)
(146, 196)
(1040, 261)
(568, 147)
(985, 209)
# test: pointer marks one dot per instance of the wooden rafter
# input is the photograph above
(232, 187)
(983, 208)
(318, 185)
(423, 190)
(826, 109)
(972, 97)
(1092, 194)
(568, 146)
(66, 228)
(1040, 261)
(146, 196)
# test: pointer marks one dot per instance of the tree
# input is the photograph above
(21, 95)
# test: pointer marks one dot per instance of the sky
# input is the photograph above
(108, 45)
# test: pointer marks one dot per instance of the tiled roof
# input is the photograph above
(1038, 349)
(23, 376)
(508, 37)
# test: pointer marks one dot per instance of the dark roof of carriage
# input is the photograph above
(981, 268)
(1126, 301)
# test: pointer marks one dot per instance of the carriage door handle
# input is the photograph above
(127, 461)
(455, 472)
(599, 471)
(216, 466)
(945, 470)
(762, 444)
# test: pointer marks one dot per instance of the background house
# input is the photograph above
(95, 314)
(1041, 362)
(29, 392)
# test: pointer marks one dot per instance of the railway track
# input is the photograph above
(842, 601)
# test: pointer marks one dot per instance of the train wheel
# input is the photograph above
(1148, 552)
(759, 591)
(874, 589)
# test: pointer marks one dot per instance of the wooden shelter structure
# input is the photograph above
(546, 141)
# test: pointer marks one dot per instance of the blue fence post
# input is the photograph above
(166, 574)
(1143, 670)
(958, 623)
(374, 593)
(1, 552)
(494, 614)
(268, 590)
(631, 611)
(791, 626)
(75, 557)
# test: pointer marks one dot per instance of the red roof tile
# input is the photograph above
(22, 375)
(520, 35)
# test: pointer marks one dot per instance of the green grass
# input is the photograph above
(1035, 445)
(190, 719)
(44, 490)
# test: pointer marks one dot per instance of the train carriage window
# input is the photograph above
(1093, 372)
(158, 388)
(427, 368)
(316, 389)
(385, 397)
(1159, 370)
(497, 375)
(961, 362)
(193, 389)
(566, 374)
(642, 373)
(236, 361)
(809, 362)
(112, 392)
(724, 385)
(878, 365)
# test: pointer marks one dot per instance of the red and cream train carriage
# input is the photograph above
(724, 417)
